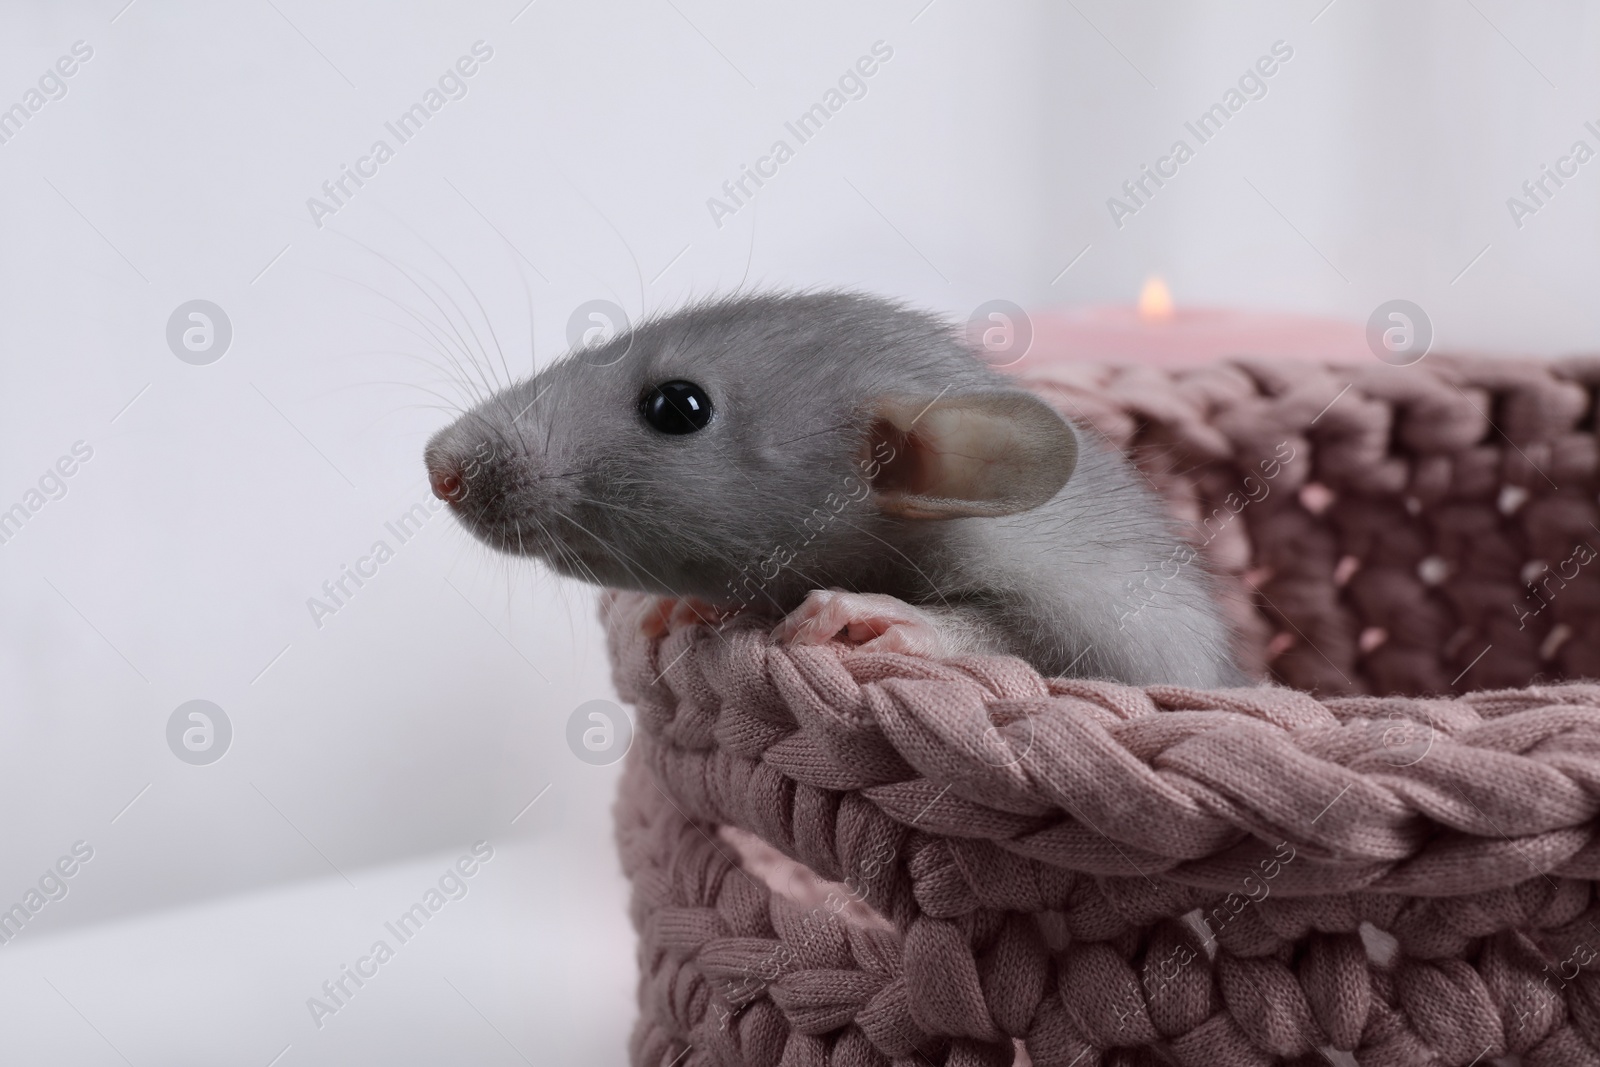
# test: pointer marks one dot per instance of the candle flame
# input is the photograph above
(1155, 300)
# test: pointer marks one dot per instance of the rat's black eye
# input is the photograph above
(676, 407)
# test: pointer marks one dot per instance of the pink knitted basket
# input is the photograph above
(1078, 872)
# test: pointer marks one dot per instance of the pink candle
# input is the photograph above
(1156, 333)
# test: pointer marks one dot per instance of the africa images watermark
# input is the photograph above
(337, 592)
(852, 85)
(199, 732)
(52, 485)
(199, 332)
(1582, 554)
(1252, 85)
(1215, 921)
(1147, 586)
(452, 85)
(1555, 995)
(599, 732)
(1537, 191)
(746, 588)
(51, 86)
(52, 885)
(338, 991)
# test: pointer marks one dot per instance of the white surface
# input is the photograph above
(522, 969)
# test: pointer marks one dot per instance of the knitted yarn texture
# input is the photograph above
(1386, 856)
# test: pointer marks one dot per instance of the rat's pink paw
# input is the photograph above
(871, 621)
(668, 612)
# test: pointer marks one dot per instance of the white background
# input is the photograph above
(427, 713)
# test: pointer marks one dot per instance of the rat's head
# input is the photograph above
(774, 443)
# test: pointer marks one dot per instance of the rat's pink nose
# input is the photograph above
(445, 479)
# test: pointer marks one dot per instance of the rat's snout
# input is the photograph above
(472, 470)
(463, 462)
(444, 475)
(498, 490)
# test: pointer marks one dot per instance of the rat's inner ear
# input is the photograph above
(981, 454)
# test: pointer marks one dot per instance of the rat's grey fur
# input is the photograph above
(567, 470)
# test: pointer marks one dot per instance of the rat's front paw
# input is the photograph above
(871, 621)
(670, 612)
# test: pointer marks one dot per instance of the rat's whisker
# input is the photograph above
(815, 433)
(446, 372)
(488, 325)
(527, 296)
(434, 339)
(427, 295)
(446, 404)
(454, 372)
(626, 560)
(635, 512)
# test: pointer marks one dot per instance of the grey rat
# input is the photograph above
(845, 462)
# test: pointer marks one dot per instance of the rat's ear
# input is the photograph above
(981, 454)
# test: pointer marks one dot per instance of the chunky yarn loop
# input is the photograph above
(1070, 872)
